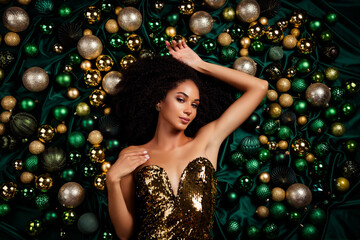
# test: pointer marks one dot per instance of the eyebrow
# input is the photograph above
(198, 100)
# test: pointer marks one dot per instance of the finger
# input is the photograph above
(175, 46)
(183, 43)
(180, 44)
(168, 45)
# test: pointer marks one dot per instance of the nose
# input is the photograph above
(188, 109)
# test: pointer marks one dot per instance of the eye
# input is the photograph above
(195, 105)
(180, 99)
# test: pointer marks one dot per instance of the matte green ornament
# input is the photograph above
(68, 174)
(318, 126)
(116, 41)
(352, 86)
(351, 146)
(284, 132)
(295, 217)
(276, 53)
(231, 198)
(88, 170)
(87, 123)
(319, 168)
(315, 25)
(244, 183)
(300, 165)
(232, 228)
(263, 192)
(299, 85)
(331, 18)
(348, 110)
(252, 166)
(257, 47)
(331, 113)
(50, 217)
(172, 18)
(63, 79)
(317, 77)
(31, 49)
(154, 24)
(278, 211)
(31, 163)
(326, 35)
(69, 217)
(27, 104)
(337, 94)
(250, 145)
(76, 139)
(264, 155)
(60, 112)
(74, 157)
(4, 209)
(317, 216)
(47, 27)
(64, 11)
(34, 227)
(228, 53)
(303, 66)
(310, 232)
(321, 149)
(27, 193)
(281, 158)
(209, 45)
(88, 223)
(269, 126)
(74, 59)
(301, 107)
(270, 230)
(252, 232)
(112, 144)
(42, 201)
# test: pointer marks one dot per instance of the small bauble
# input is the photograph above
(100, 181)
(26, 177)
(92, 15)
(289, 41)
(262, 212)
(272, 95)
(8, 103)
(46, 133)
(82, 109)
(12, 39)
(111, 26)
(285, 100)
(264, 177)
(224, 39)
(36, 147)
(228, 14)
(277, 194)
(95, 137)
(72, 93)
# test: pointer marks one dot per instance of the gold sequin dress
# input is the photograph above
(187, 215)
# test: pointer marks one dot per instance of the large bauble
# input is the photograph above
(71, 195)
(129, 19)
(201, 23)
(318, 94)
(110, 82)
(35, 79)
(88, 223)
(16, 19)
(214, 4)
(248, 10)
(23, 124)
(246, 65)
(89, 47)
(53, 159)
(298, 195)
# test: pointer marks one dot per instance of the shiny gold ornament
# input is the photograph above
(61, 128)
(26, 177)
(87, 32)
(2, 129)
(263, 21)
(283, 145)
(97, 154)
(274, 110)
(111, 26)
(302, 120)
(46, 133)
(282, 23)
(8, 190)
(118, 9)
(283, 85)
(134, 42)
(186, 7)
(126, 61)
(245, 42)
(256, 30)
(12, 39)
(170, 31)
(15, 19)
(262, 212)
(85, 65)
(298, 18)
(5, 116)
(72, 93)
(310, 158)
(44, 182)
(342, 184)
(224, 39)
(18, 164)
(263, 139)
(277, 194)
(272, 145)
(272, 95)
(159, 5)
(264, 177)
(290, 72)
(244, 52)
(228, 14)
(201, 23)
(194, 39)
(68, 68)
(92, 77)
(179, 37)
(295, 32)
(110, 82)
(36, 147)
(305, 46)
(100, 181)
(95, 137)
(337, 129)
(97, 98)
(107, 111)
(8, 103)
(286, 100)
(92, 15)
(129, 19)
(105, 166)
(104, 63)
(274, 34)
(300, 146)
(89, 47)
(289, 41)
(58, 48)
(24, 2)
(82, 109)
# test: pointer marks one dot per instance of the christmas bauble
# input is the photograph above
(250, 145)
(244, 183)
(245, 64)
(129, 19)
(201, 23)
(89, 47)
(317, 216)
(34, 227)
(247, 10)
(71, 195)
(46, 133)
(318, 94)
(298, 195)
(262, 212)
(35, 79)
(278, 211)
(92, 15)
(88, 223)
(270, 230)
(276, 53)
(23, 124)
(53, 159)
(16, 19)
(76, 139)
(263, 192)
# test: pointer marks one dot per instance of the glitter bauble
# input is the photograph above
(35, 79)
(298, 195)
(201, 23)
(16, 19)
(245, 64)
(89, 47)
(318, 94)
(129, 19)
(247, 10)
(71, 195)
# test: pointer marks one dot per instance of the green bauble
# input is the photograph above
(254, 120)
(74, 157)
(270, 230)
(337, 129)
(87, 123)
(352, 86)
(32, 163)
(74, 59)
(76, 139)
(116, 41)
(284, 132)
(106, 235)
(236, 31)
(301, 107)
(263, 192)
(164, 52)
(4, 209)
(319, 168)
(27, 193)
(278, 211)
(27, 104)
(252, 166)
(209, 45)
(44, 6)
(326, 35)
(331, 18)
(348, 110)
(8, 143)
(318, 126)
(53, 159)
(68, 174)
(295, 217)
(315, 25)
(232, 228)
(88, 223)
(317, 77)
(50, 217)
(42, 201)
(63, 79)
(244, 183)
(300, 165)
(64, 11)
(331, 113)
(321, 149)
(69, 217)
(264, 155)
(269, 126)
(231, 198)
(250, 145)
(31, 50)
(154, 24)
(172, 18)
(257, 47)
(351, 146)
(281, 158)
(34, 227)
(252, 232)
(276, 53)
(88, 170)
(228, 53)
(112, 144)
(237, 158)
(47, 27)
(107, 6)
(60, 112)
(303, 66)
(317, 216)
(159, 40)
(299, 85)
(23, 124)
(309, 232)
(337, 94)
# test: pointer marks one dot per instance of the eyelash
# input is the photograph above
(182, 100)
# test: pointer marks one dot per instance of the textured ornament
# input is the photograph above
(71, 195)
(154, 24)
(274, 110)
(110, 82)
(214, 4)
(247, 10)
(111, 26)
(305, 46)
(34, 227)
(252, 166)
(262, 212)
(298, 195)
(31, 163)
(201, 23)
(300, 146)
(263, 192)
(237, 158)
(26, 177)
(35, 79)
(245, 64)
(330, 51)
(318, 126)
(337, 129)
(88, 223)
(298, 18)
(277, 194)
(224, 39)
(232, 228)
(318, 94)
(283, 176)
(286, 100)
(129, 19)
(321, 149)
(186, 7)
(256, 30)
(350, 169)
(82, 109)
(269, 126)
(12, 39)
(23, 124)
(97, 154)
(250, 145)
(228, 14)
(36, 147)
(69, 33)
(274, 34)
(89, 47)
(134, 42)
(270, 230)
(92, 77)
(227, 54)
(126, 61)
(16, 19)
(53, 159)
(289, 41)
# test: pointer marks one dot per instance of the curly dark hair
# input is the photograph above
(147, 82)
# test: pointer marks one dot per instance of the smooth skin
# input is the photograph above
(170, 148)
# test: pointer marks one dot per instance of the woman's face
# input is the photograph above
(179, 107)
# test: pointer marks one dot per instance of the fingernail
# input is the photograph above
(147, 156)
(145, 151)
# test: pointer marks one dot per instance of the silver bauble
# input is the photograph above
(201, 23)
(214, 4)
(248, 10)
(71, 195)
(129, 19)
(35, 79)
(246, 65)
(298, 195)
(89, 47)
(110, 82)
(16, 19)
(318, 94)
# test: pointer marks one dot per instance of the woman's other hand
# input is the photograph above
(182, 52)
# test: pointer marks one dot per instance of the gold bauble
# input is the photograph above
(72, 93)
(2, 129)
(126, 61)
(170, 31)
(105, 166)
(82, 109)
(92, 77)
(8, 103)
(99, 181)
(305, 45)
(12, 39)
(244, 52)
(194, 39)
(310, 158)
(111, 26)
(302, 120)
(129, 19)
(95, 137)
(89, 47)
(272, 145)
(342, 184)
(264, 177)
(24, 2)
(68, 68)
(264, 21)
(282, 23)
(118, 10)
(272, 95)
(134, 42)
(44, 182)
(300, 146)
(85, 65)
(277, 194)
(290, 72)
(255, 30)
(263, 139)
(61, 128)
(186, 7)
(283, 145)
(262, 212)
(18, 164)
(104, 63)
(92, 14)
(97, 154)
(245, 42)
(178, 38)
(274, 34)
(286, 100)
(298, 18)
(58, 48)
(5, 116)
(337, 129)
(46, 133)
(274, 110)
(15, 19)
(8, 190)
(87, 32)
(228, 14)
(283, 85)
(224, 39)
(36, 147)
(289, 41)
(97, 98)
(27, 177)
(247, 10)
(331, 73)
(107, 111)
(295, 32)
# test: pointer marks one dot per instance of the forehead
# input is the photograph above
(188, 87)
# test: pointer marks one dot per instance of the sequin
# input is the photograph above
(187, 215)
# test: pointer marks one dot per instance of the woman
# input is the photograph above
(166, 187)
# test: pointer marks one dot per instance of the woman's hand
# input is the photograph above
(129, 159)
(182, 52)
